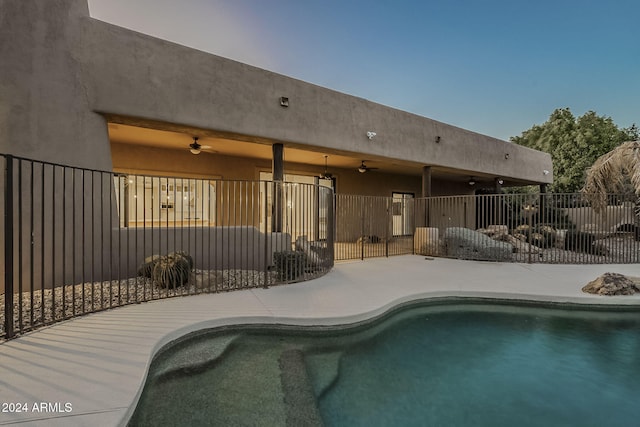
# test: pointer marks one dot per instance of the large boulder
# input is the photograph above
(464, 243)
(612, 284)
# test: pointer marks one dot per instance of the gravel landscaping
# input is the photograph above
(70, 301)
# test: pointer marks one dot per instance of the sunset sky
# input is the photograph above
(495, 67)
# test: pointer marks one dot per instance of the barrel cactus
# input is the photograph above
(171, 271)
(146, 268)
(184, 255)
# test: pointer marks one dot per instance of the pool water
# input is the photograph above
(441, 365)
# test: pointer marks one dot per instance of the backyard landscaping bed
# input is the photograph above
(74, 300)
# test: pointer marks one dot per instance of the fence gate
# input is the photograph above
(372, 226)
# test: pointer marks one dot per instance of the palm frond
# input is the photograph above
(608, 172)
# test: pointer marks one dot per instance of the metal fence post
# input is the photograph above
(331, 226)
(8, 247)
(389, 224)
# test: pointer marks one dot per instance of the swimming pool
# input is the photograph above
(446, 363)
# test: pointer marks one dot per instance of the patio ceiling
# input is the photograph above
(135, 135)
(173, 137)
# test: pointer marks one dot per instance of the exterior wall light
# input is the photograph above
(438, 139)
(506, 156)
(472, 181)
(371, 134)
(284, 101)
(545, 172)
(500, 181)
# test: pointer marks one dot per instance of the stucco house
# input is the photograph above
(170, 124)
(79, 91)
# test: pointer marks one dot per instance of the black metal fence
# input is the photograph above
(78, 241)
(533, 228)
(540, 228)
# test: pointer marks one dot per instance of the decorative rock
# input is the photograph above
(520, 245)
(494, 231)
(612, 284)
(538, 239)
(546, 229)
(520, 237)
(208, 279)
(303, 245)
(464, 243)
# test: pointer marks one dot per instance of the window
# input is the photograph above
(304, 209)
(402, 209)
(150, 201)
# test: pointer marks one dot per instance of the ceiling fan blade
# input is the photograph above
(364, 168)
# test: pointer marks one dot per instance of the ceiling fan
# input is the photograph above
(364, 168)
(326, 174)
(196, 148)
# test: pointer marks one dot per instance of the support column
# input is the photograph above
(426, 181)
(277, 169)
(426, 192)
(497, 185)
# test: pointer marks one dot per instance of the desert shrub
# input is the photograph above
(289, 264)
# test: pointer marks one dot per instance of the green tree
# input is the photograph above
(574, 144)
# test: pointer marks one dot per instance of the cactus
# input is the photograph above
(184, 255)
(172, 271)
(146, 268)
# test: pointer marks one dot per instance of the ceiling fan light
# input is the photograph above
(195, 147)
(362, 169)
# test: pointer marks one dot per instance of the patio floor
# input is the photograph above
(98, 363)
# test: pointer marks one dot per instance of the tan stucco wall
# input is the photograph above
(45, 111)
(60, 68)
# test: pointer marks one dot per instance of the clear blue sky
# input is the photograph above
(495, 67)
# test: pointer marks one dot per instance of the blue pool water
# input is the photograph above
(441, 365)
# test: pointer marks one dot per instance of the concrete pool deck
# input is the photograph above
(97, 363)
